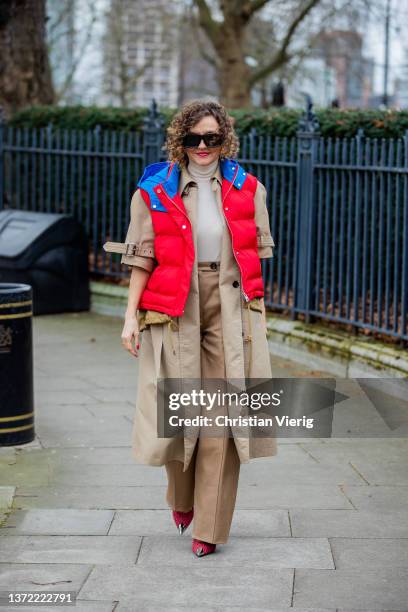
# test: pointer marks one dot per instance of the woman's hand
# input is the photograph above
(131, 333)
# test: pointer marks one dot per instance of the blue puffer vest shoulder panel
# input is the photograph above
(167, 174)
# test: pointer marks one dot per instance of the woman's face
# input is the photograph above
(202, 154)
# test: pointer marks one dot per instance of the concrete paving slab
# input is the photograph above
(348, 524)
(119, 434)
(58, 397)
(288, 454)
(367, 589)
(107, 497)
(108, 456)
(369, 553)
(43, 576)
(382, 472)
(24, 468)
(292, 495)
(249, 552)
(118, 550)
(124, 606)
(264, 588)
(108, 377)
(110, 396)
(378, 498)
(81, 456)
(43, 383)
(61, 521)
(69, 416)
(337, 451)
(153, 497)
(245, 523)
(89, 364)
(357, 418)
(111, 410)
(119, 475)
(271, 473)
(81, 606)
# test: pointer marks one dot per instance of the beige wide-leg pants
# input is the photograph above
(210, 483)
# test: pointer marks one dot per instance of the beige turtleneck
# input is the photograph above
(210, 222)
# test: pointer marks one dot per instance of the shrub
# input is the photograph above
(275, 121)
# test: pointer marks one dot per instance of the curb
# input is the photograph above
(335, 351)
(6, 497)
(108, 299)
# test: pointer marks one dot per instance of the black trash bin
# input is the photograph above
(16, 364)
(49, 252)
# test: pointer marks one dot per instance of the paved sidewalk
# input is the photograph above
(322, 527)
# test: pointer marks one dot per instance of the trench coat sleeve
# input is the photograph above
(141, 232)
(265, 240)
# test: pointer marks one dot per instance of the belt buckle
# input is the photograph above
(132, 245)
(213, 265)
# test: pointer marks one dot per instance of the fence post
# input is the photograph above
(1, 159)
(307, 138)
(404, 271)
(153, 135)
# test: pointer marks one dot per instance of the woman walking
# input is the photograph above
(198, 229)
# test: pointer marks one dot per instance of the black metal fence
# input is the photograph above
(338, 209)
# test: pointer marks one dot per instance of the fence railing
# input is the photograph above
(338, 209)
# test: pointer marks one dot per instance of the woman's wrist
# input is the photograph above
(131, 313)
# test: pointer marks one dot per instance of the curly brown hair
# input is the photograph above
(187, 117)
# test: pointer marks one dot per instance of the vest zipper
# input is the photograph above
(182, 212)
(232, 237)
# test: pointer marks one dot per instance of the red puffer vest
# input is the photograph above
(168, 285)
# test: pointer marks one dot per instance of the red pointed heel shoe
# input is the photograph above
(200, 549)
(182, 519)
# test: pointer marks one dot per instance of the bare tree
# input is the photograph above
(25, 75)
(68, 40)
(228, 37)
(263, 41)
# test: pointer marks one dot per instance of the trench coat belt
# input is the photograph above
(157, 342)
(172, 326)
(128, 248)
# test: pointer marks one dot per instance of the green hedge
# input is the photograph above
(279, 122)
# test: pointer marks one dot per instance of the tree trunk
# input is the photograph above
(234, 72)
(25, 74)
(234, 82)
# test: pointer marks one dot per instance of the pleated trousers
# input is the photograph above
(210, 483)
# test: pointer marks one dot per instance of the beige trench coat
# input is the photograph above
(169, 351)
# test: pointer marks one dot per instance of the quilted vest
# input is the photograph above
(168, 286)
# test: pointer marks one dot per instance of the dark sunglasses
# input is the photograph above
(211, 139)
